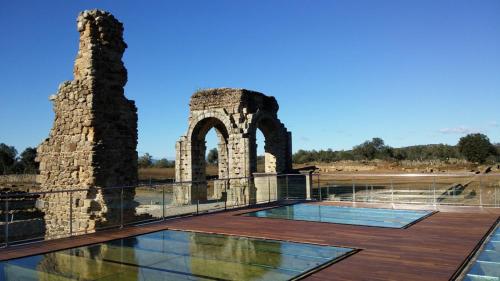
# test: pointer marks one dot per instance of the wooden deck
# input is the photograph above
(432, 249)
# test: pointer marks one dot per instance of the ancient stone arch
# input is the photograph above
(93, 140)
(235, 114)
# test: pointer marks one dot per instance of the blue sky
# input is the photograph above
(410, 72)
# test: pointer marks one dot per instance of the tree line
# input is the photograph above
(12, 163)
(475, 148)
(147, 161)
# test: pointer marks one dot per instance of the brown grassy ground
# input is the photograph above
(168, 173)
(344, 167)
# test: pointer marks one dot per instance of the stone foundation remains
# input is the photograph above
(93, 140)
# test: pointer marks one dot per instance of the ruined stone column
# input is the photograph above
(93, 140)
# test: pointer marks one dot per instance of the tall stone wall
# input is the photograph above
(94, 136)
(235, 114)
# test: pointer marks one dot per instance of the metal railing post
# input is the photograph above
(163, 202)
(427, 199)
(480, 191)
(319, 183)
(312, 185)
(269, 188)
(392, 191)
(353, 191)
(434, 190)
(320, 193)
(70, 213)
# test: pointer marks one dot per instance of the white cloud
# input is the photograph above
(459, 130)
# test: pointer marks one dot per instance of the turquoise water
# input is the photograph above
(175, 255)
(344, 215)
(487, 265)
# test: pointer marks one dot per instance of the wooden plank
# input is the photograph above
(432, 249)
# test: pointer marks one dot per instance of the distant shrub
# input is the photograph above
(476, 148)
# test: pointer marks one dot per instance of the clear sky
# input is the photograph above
(410, 72)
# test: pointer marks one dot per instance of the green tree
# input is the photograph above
(378, 143)
(346, 155)
(497, 146)
(145, 161)
(27, 161)
(400, 154)
(213, 156)
(8, 156)
(385, 152)
(476, 147)
(370, 149)
(164, 163)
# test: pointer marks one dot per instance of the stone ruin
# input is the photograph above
(235, 114)
(93, 140)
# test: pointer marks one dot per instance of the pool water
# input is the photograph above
(487, 265)
(176, 255)
(344, 215)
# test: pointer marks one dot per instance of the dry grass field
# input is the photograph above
(168, 173)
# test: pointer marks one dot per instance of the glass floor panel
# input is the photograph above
(176, 255)
(344, 215)
(487, 265)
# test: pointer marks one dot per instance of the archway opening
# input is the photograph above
(265, 147)
(260, 142)
(209, 137)
(212, 154)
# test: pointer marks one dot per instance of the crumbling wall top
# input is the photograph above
(231, 98)
(101, 48)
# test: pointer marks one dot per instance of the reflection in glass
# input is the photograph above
(175, 255)
(487, 264)
(344, 215)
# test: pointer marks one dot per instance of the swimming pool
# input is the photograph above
(176, 255)
(344, 215)
(487, 264)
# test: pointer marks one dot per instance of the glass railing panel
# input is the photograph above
(112, 207)
(143, 203)
(456, 189)
(266, 188)
(22, 218)
(295, 186)
(182, 198)
(333, 187)
(4, 218)
(48, 217)
(490, 190)
(215, 196)
(371, 188)
(459, 189)
(239, 193)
